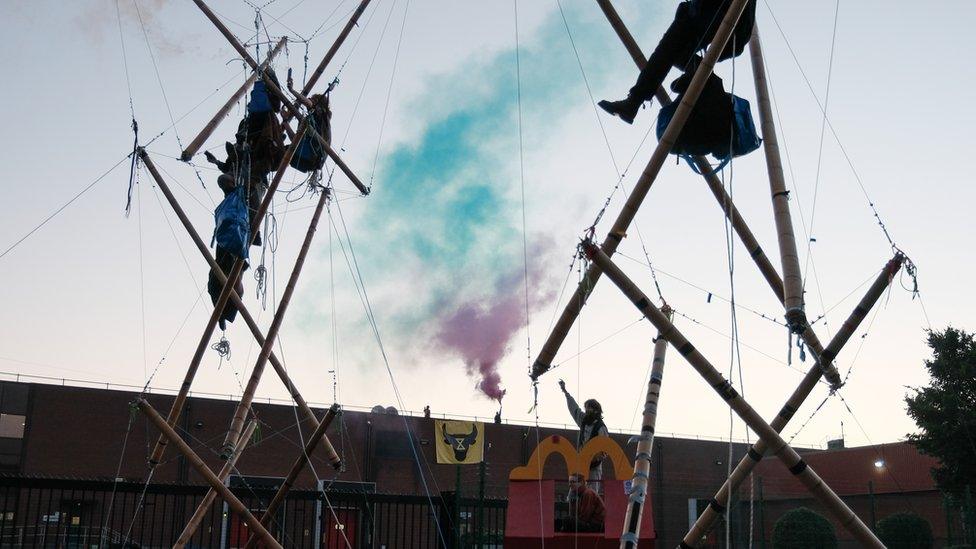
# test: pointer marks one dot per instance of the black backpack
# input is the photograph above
(720, 124)
(310, 155)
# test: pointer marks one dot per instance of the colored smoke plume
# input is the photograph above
(480, 330)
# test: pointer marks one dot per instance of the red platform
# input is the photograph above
(530, 522)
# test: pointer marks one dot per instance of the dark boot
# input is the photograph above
(626, 109)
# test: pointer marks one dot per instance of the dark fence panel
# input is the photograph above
(67, 513)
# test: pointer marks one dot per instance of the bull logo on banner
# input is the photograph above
(459, 442)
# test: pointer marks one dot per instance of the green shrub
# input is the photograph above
(803, 529)
(905, 530)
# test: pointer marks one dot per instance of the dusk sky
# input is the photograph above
(426, 112)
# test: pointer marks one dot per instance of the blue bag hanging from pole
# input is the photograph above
(695, 140)
(745, 139)
(260, 101)
(232, 225)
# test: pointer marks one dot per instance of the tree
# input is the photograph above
(945, 411)
(803, 529)
(905, 531)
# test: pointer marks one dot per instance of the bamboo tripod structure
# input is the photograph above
(788, 291)
(238, 434)
(779, 447)
(645, 444)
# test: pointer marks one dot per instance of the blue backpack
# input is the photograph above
(232, 225)
(260, 100)
(707, 130)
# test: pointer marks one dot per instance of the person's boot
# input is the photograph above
(626, 109)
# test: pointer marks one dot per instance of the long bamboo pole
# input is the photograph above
(291, 109)
(296, 469)
(637, 195)
(779, 447)
(310, 83)
(204, 507)
(244, 406)
(796, 318)
(232, 278)
(207, 130)
(208, 475)
(725, 202)
(809, 382)
(642, 465)
(235, 298)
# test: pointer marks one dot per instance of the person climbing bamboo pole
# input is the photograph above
(779, 447)
(619, 230)
(707, 519)
(245, 314)
(207, 130)
(221, 302)
(645, 444)
(692, 28)
(235, 504)
(796, 318)
(244, 406)
(732, 213)
(204, 507)
(291, 109)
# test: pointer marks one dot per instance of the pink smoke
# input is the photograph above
(480, 330)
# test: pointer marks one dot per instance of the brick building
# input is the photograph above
(65, 432)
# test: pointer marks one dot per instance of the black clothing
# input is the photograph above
(226, 261)
(694, 27)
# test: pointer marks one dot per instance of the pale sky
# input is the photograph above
(442, 231)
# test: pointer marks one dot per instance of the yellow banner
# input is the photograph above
(459, 442)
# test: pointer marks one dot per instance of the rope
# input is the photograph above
(525, 246)
(63, 206)
(142, 287)
(830, 126)
(710, 293)
(115, 480)
(358, 281)
(389, 92)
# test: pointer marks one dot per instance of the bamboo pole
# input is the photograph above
(796, 318)
(335, 47)
(207, 130)
(235, 298)
(296, 469)
(725, 202)
(779, 447)
(244, 406)
(645, 444)
(208, 475)
(232, 278)
(292, 110)
(637, 195)
(204, 507)
(809, 382)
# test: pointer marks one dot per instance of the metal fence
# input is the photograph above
(63, 513)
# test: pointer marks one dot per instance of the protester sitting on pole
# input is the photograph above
(231, 237)
(586, 509)
(258, 147)
(694, 26)
(590, 422)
